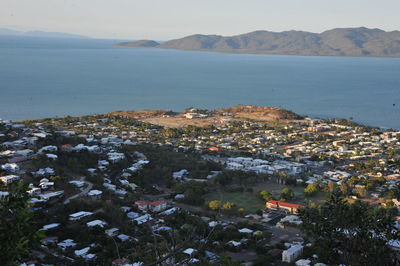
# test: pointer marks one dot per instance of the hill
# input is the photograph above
(336, 42)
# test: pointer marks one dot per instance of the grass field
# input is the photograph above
(247, 200)
(276, 190)
(251, 202)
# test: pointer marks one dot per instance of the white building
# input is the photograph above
(291, 254)
(12, 167)
(96, 223)
(79, 215)
(95, 194)
(8, 179)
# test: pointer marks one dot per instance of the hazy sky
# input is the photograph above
(166, 19)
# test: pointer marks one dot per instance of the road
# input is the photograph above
(82, 193)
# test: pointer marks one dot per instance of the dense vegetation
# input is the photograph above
(350, 234)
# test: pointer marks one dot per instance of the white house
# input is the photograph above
(8, 179)
(50, 226)
(49, 148)
(143, 219)
(96, 223)
(79, 215)
(112, 231)
(66, 243)
(291, 254)
(95, 194)
(12, 167)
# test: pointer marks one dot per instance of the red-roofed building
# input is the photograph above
(157, 206)
(143, 205)
(276, 204)
(213, 149)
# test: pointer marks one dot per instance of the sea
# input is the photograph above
(43, 77)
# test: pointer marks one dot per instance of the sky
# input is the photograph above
(168, 19)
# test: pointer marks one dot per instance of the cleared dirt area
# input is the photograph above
(260, 113)
(181, 121)
(169, 118)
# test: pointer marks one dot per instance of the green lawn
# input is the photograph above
(276, 190)
(249, 201)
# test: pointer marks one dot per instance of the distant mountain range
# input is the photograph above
(336, 42)
(44, 34)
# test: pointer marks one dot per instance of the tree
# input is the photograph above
(361, 191)
(332, 186)
(265, 195)
(214, 205)
(17, 232)
(311, 190)
(228, 205)
(394, 193)
(345, 188)
(287, 194)
(350, 234)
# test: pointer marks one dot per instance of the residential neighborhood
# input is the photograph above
(114, 190)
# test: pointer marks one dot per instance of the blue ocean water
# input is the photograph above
(56, 77)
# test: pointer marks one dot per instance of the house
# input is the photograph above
(123, 237)
(96, 223)
(45, 171)
(245, 231)
(46, 185)
(180, 174)
(303, 262)
(82, 252)
(8, 179)
(291, 254)
(195, 115)
(115, 156)
(112, 231)
(66, 243)
(190, 251)
(51, 156)
(290, 219)
(157, 206)
(110, 186)
(142, 204)
(179, 196)
(234, 166)
(169, 211)
(95, 194)
(49, 195)
(234, 243)
(132, 215)
(49, 148)
(50, 226)
(143, 219)
(79, 215)
(12, 167)
(281, 205)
